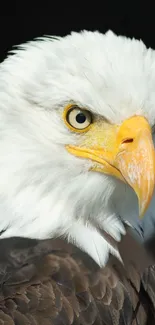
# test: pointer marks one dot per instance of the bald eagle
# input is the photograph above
(78, 162)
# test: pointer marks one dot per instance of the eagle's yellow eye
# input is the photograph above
(77, 119)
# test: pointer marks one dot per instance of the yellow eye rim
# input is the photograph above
(70, 108)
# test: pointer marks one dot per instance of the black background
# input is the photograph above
(132, 19)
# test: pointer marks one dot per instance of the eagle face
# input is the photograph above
(77, 151)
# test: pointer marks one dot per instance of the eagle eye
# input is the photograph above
(77, 119)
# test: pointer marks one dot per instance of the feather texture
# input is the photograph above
(52, 282)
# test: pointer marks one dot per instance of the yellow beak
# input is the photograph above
(125, 151)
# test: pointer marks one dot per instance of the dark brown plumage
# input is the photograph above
(52, 282)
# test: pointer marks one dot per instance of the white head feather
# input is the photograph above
(44, 190)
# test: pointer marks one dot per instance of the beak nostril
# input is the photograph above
(128, 140)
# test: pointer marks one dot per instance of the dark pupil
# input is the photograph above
(80, 118)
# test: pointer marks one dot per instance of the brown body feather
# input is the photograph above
(52, 283)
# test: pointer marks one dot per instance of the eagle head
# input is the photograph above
(76, 139)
